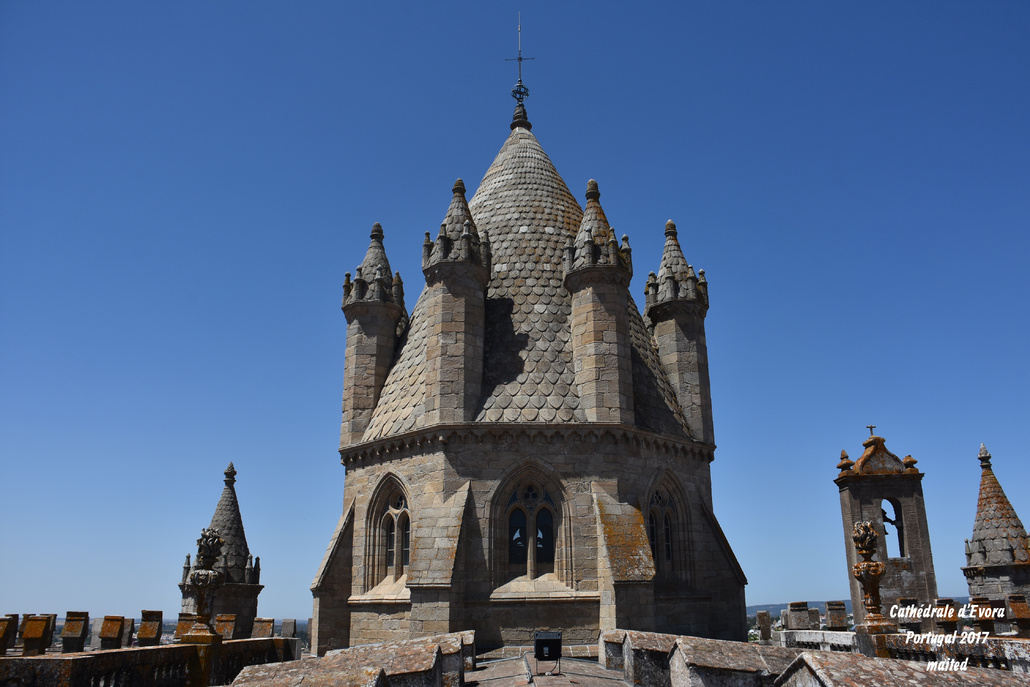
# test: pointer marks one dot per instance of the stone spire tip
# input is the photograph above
(984, 456)
(592, 192)
(670, 228)
(230, 475)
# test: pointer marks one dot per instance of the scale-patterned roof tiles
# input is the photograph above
(229, 523)
(526, 211)
(999, 537)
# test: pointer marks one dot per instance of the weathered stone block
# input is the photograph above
(150, 628)
(73, 635)
(111, 632)
(764, 625)
(225, 625)
(34, 635)
(263, 627)
(836, 616)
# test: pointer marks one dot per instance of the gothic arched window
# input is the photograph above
(393, 546)
(665, 535)
(531, 514)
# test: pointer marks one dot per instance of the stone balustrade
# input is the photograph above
(170, 665)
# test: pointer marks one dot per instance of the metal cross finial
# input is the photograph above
(520, 92)
(871, 428)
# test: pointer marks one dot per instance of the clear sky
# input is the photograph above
(183, 186)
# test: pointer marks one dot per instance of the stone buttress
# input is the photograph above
(517, 452)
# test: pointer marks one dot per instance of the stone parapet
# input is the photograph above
(172, 665)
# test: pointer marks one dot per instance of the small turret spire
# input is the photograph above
(984, 456)
(999, 537)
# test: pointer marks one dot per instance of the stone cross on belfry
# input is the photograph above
(871, 428)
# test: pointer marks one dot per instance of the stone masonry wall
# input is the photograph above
(570, 464)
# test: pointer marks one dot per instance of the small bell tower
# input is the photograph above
(870, 487)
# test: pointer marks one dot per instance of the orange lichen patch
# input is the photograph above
(625, 539)
(877, 460)
(735, 656)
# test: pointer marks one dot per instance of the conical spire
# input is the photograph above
(458, 214)
(594, 226)
(676, 280)
(673, 263)
(229, 523)
(458, 240)
(375, 262)
(998, 535)
(373, 281)
(595, 242)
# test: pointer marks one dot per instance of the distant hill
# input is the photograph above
(774, 609)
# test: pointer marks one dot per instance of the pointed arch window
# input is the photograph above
(531, 541)
(393, 546)
(665, 532)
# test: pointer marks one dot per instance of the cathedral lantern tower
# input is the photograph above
(526, 460)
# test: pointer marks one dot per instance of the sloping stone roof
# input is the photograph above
(673, 263)
(375, 258)
(999, 537)
(229, 523)
(527, 213)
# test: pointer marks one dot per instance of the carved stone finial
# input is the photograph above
(868, 573)
(670, 228)
(209, 548)
(845, 463)
(230, 475)
(459, 187)
(377, 231)
(984, 456)
(866, 538)
(592, 192)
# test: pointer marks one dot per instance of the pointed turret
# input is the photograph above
(239, 591)
(374, 307)
(676, 302)
(999, 538)
(597, 275)
(229, 523)
(457, 270)
(458, 239)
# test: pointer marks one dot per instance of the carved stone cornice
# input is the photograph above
(437, 437)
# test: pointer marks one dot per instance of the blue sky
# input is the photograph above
(183, 186)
